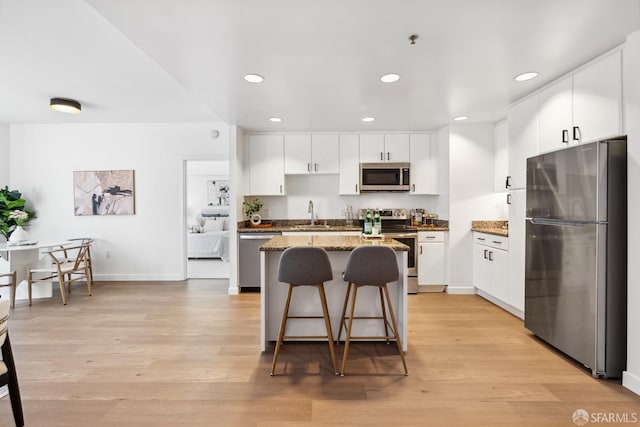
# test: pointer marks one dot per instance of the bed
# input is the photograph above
(213, 241)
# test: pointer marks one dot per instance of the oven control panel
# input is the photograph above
(386, 213)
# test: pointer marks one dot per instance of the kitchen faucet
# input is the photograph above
(310, 210)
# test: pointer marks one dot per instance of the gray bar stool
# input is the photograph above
(305, 266)
(370, 266)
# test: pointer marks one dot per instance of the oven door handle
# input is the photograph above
(401, 235)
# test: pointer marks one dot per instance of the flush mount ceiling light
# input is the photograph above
(254, 78)
(390, 78)
(65, 105)
(526, 76)
(368, 119)
(460, 118)
(275, 119)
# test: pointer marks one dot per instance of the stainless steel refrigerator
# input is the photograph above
(576, 253)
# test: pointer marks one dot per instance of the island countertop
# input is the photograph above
(330, 243)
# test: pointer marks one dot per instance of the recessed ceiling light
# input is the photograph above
(65, 105)
(390, 78)
(525, 76)
(460, 118)
(254, 78)
(368, 119)
(275, 119)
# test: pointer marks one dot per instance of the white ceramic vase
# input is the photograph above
(19, 235)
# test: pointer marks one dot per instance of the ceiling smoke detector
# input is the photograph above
(413, 38)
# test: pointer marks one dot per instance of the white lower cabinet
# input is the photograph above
(431, 250)
(491, 268)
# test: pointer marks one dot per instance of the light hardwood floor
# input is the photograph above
(186, 354)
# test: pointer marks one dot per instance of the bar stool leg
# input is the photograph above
(327, 323)
(394, 325)
(384, 315)
(344, 311)
(347, 340)
(283, 325)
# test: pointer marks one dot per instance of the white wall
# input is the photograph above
(631, 377)
(199, 172)
(4, 155)
(471, 196)
(146, 246)
(237, 173)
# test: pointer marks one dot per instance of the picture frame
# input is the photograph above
(218, 192)
(104, 192)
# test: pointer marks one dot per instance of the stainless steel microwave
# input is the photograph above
(376, 177)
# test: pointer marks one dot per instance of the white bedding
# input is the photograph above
(211, 244)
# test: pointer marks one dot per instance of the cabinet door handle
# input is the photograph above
(413, 188)
(565, 136)
(507, 182)
(491, 256)
(420, 250)
(381, 156)
(315, 167)
(577, 135)
(308, 167)
(356, 188)
(430, 237)
(485, 253)
(508, 199)
(388, 157)
(481, 238)
(496, 242)
(280, 188)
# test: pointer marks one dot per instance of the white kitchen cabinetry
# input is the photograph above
(582, 107)
(423, 148)
(349, 164)
(517, 208)
(491, 265)
(523, 140)
(500, 155)
(266, 165)
(431, 251)
(307, 153)
(384, 148)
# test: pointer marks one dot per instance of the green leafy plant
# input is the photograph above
(12, 211)
(252, 207)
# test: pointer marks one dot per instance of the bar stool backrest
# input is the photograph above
(304, 265)
(371, 265)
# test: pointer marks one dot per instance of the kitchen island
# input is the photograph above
(305, 300)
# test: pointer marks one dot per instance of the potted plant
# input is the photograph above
(13, 214)
(251, 211)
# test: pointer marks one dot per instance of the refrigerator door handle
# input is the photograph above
(563, 223)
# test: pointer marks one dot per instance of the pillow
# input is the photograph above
(213, 225)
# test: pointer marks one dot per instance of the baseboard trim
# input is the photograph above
(631, 381)
(461, 290)
(137, 277)
(503, 305)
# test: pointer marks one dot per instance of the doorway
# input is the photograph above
(207, 219)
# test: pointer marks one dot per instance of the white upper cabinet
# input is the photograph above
(597, 99)
(306, 153)
(266, 165)
(523, 140)
(500, 156)
(349, 164)
(423, 148)
(582, 107)
(384, 148)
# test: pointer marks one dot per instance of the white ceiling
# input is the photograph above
(183, 61)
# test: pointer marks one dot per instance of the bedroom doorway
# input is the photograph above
(207, 219)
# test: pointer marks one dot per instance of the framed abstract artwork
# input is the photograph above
(104, 192)
(218, 193)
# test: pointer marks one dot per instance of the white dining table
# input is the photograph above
(20, 258)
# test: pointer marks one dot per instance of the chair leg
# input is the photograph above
(347, 339)
(13, 289)
(384, 314)
(327, 322)
(283, 325)
(14, 389)
(89, 279)
(61, 282)
(29, 285)
(344, 311)
(396, 332)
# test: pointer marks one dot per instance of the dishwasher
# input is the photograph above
(249, 265)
